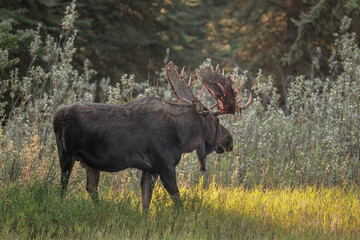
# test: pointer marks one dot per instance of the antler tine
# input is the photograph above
(213, 106)
(238, 88)
(246, 105)
(237, 91)
(217, 68)
(233, 77)
(223, 72)
(239, 101)
(191, 82)
(201, 92)
(183, 74)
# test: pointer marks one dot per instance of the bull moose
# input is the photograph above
(149, 134)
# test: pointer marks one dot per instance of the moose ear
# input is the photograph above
(199, 107)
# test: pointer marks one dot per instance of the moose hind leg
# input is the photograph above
(147, 184)
(66, 165)
(92, 182)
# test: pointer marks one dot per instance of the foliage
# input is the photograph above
(322, 19)
(121, 37)
(9, 41)
(37, 211)
(318, 142)
(38, 94)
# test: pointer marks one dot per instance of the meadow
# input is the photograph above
(294, 172)
(212, 212)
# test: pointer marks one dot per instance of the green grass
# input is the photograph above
(37, 211)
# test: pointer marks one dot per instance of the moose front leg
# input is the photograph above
(168, 179)
(147, 184)
(92, 181)
(201, 156)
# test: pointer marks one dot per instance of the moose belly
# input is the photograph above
(113, 162)
(112, 150)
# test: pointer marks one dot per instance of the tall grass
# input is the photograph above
(209, 213)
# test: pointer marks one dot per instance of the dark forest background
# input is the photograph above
(281, 37)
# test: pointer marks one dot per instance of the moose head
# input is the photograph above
(220, 86)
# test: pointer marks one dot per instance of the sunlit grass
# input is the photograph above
(209, 213)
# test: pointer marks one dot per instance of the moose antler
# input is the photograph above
(220, 86)
(182, 91)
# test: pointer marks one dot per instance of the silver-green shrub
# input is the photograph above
(38, 94)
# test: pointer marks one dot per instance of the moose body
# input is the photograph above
(149, 134)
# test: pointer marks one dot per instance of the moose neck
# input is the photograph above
(192, 130)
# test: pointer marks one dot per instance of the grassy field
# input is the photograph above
(212, 212)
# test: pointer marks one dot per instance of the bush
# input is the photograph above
(318, 142)
(28, 144)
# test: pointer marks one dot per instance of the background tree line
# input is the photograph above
(281, 37)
